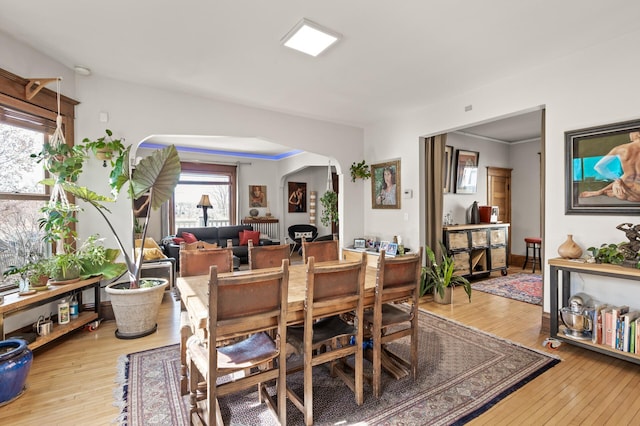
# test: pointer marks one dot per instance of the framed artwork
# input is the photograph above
(385, 185)
(392, 249)
(257, 196)
(466, 171)
(384, 245)
(359, 243)
(297, 197)
(600, 169)
(141, 206)
(446, 169)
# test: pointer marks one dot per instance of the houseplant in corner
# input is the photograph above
(136, 303)
(439, 278)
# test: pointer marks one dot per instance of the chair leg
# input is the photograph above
(526, 257)
(185, 333)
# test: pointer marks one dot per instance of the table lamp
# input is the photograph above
(205, 204)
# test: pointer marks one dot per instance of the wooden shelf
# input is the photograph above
(473, 248)
(60, 329)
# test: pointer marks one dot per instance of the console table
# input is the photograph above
(14, 303)
(559, 297)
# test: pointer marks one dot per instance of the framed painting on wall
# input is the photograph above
(257, 196)
(385, 185)
(297, 197)
(466, 171)
(446, 168)
(600, 169)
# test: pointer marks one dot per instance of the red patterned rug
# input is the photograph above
(518, 286)
(462, 373)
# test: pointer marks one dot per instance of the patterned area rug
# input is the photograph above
(463, 372)
(518, 286)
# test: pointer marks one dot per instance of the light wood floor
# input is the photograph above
(72, 382)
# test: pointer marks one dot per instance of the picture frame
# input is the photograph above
(599, 176)
(446, 169)
(392, 249)
(359, 243)
(466, 171)
(383, 245)
(385, 195)
(257, 195)
(297, 197)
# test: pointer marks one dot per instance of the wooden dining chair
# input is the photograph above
(322, 251)
(198, 261)
(261, 257)
(397, 280)
(242, 308)
(330, 290)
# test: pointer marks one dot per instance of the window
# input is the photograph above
(24, 126)
(216, 181)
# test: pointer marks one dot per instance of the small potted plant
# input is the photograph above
(329, 203)
(105, 147)
(359, 170)
(439, 277)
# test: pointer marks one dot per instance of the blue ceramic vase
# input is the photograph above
(15, 363)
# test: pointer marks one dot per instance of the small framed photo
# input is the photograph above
(392, 249)
(359, 243)
(384, 245)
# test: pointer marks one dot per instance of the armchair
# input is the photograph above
(300, 231)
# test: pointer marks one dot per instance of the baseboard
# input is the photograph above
(516, 260)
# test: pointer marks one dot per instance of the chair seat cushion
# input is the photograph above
(390, 315)
(323, 330)
(254, 350)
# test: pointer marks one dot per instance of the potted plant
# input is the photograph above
(329, 203)
(359, 170)
(136, 303)
(105, 147)
(439, 277)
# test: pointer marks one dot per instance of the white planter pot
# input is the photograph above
(136, 310)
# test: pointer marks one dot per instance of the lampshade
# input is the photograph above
(204, 201)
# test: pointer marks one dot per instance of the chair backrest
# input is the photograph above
(398, 278)
(261, 257)
(322, 251)
(334, 289)
(302, 230)
(247, 303)
(198, 245)
(197, 262)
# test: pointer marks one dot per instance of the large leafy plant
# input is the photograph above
(438, 275)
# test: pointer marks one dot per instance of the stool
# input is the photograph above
(533, 244)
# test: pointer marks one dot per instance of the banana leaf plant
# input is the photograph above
(155, 176)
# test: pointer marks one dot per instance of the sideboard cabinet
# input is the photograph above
(478, 249)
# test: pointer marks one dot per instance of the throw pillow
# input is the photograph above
(245, 236)
(178, 240)
(150, 253)
(306, 235)
(189, 237)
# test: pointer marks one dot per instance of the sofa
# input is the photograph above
(214, 235)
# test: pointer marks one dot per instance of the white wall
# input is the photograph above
(525, 194)
(593, 87)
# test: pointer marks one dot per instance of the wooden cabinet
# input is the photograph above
(559, 297)
(14, 303)
(478, 249)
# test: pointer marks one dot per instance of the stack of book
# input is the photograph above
(617, 327)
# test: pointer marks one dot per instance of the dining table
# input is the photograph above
(194, 295)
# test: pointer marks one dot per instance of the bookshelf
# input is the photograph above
(560, 293)
(477, 249)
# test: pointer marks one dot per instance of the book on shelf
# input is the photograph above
(626, 320)
(637, 321)
(597, 323)
(616, 313)
(607, 331)
(632, 337)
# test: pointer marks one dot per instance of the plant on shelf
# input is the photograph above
(359, 170)
(607, 253)
(329, 203)
(438, 276)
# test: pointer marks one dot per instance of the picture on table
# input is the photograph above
(297, 197)
(392, 249)
(384, 245)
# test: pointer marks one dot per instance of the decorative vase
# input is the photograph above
(569, 249)
(15, 364)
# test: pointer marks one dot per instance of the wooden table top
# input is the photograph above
(194, 291)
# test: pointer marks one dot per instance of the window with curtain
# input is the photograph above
(218, 182)
(24, 126)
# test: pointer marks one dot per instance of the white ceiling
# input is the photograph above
(394, 56)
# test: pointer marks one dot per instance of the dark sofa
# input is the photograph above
(218, 235)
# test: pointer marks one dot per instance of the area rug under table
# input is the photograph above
(518, 286)
(463, 372)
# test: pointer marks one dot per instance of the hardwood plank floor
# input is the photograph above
(72, 382)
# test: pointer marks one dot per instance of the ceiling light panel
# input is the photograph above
(310, 38)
